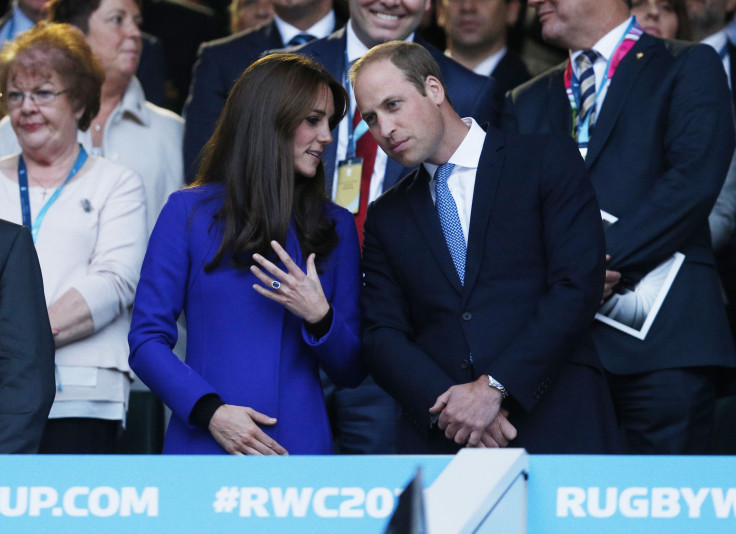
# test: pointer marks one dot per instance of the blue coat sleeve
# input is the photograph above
(338, 351)
(159, 301)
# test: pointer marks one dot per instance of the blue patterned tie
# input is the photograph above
(300, 39)
(587, 84)
(449, 219)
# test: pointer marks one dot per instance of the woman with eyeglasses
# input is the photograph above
(88, 222)
(127, 129)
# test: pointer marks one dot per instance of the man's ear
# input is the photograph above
(434, 89)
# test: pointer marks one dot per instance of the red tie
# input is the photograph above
(365, 148)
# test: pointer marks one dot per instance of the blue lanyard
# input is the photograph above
(25, 203)
(353, 135)
(583, 136)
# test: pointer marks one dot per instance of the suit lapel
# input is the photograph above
(623, 79)
(424, 213)
(486, 185)
(273, 36)
(394, 172)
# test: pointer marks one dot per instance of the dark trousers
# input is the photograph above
(79, 435)
(363, 419)
(670, 411)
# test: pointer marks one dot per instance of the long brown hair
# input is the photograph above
(252, 153)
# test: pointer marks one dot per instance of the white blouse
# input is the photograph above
(92, 239)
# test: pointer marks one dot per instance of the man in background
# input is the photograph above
(653, 121)
(476, 32)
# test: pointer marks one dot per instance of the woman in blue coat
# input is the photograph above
(266, 271)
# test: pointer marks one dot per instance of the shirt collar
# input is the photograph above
(717, 40)
(134, 102)
(467, 155)
(322, 28)
(489, 64)
(606, 46)
(355, 47)
(22, 22)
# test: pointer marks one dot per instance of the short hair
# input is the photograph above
(413, 60)
(60, 48)
(75, 12)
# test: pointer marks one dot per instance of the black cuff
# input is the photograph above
(321, 327)
(205, 409)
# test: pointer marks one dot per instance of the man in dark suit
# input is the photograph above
(657, 136)
(26, 344)
(371, 24)
(481, 273)
(221, 62)
(363, 418)
(477, 32)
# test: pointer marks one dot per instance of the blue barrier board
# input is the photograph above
(631, 494)
(183, 494)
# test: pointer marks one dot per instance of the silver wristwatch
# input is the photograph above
(496, 384)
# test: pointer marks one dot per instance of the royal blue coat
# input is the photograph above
(249, 350)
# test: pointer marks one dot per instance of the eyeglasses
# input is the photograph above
(40, 97)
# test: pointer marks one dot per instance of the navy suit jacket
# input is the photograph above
(510, 72)
(533, 279)
(657, 158)
(27, 384)
(218, 66)
(471, 95)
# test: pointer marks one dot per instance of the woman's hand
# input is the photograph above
(236, 429)
(70, 318)
(299, 293)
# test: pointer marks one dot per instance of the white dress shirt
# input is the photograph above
(322, 28)
(489, 64)
(605, 47)
(17, 23)
(462, 180)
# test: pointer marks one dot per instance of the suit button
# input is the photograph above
(467, 316)
(465, 364)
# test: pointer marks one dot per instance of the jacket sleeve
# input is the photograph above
(26, 348)
(159, 301)
(109, 285)
(698, 145)
(396, 362)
